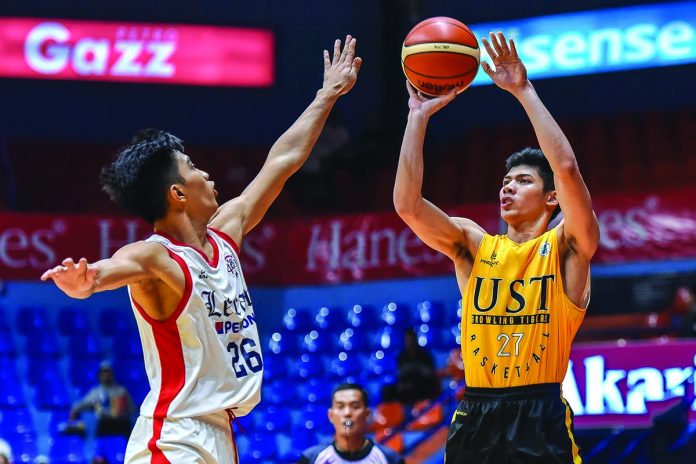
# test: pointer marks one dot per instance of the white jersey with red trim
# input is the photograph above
(207, 356)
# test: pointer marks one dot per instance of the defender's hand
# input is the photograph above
(510, 73)
(341, 71)
(76, 280)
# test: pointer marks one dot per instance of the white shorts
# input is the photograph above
(195, 440)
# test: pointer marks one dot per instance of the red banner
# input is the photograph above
(136, 52)
(347, 248)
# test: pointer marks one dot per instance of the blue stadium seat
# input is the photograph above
(346, 366)
(42, 345)
(23, 447)
(83, 373)
(363, 316)
(39, 371)
(382, 364)
(52, 394)
(315, 390)
(309, 366)
(66, 450)
(4, 325)
(278, 393)
(297, 319)
(11, 395)
(272, 418)
(113, 449)
(315, 418)
(127, 348)
(15, 422)
(318, 342)
(84, 346)
(72, 320)
(397, 315)
(358, 339)
(330, 319)
(286, 342)
(117, 322)
(261, 446)
(392, 338)
(274, 367)
(31, 319)
(427, 336)
(432, 313)
(295, 444)
(130, 373)
(7, 346)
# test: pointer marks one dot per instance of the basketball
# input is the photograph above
(440, 54)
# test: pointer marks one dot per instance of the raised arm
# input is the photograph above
(580, 226)
(131, 264)
(436, 229)
(238, 216)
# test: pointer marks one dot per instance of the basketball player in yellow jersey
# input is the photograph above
(524, 293)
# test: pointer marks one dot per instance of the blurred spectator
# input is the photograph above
(5, 452)
(685, 311)
(417, 379)
(111, 403)
(349, 414)
(99, 460)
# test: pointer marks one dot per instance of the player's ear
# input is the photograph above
(176, 193)
(552, 198)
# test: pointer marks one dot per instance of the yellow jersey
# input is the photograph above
(517, 322)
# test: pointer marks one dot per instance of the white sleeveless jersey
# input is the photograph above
(207, 356)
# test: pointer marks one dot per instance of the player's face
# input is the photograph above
(199, 189)
(349, 413)
(522, 196)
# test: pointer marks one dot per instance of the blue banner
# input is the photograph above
(599, 41)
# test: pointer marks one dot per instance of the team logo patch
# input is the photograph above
(545, 249)
(231, 263)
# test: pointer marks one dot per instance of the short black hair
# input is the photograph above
(535, 158)
(140, 176)
(350, 386)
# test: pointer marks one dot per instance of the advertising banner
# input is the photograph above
(136, 52)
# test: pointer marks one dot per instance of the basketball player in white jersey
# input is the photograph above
(187, 290)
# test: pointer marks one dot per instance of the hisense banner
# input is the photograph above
(349, 248)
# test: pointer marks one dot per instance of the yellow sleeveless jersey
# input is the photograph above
(517, 322)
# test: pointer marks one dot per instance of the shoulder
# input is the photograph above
(142, 251)
(310, 454)
(473, 235)
(392, 456)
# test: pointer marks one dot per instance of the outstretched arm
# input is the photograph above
(579, 221)
(437, 230)
(238, 216)
(133, 263)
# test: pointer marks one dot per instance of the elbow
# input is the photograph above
(568, 168)
(405, 208)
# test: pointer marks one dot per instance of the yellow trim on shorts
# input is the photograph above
(568, 422)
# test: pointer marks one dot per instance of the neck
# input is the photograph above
(525, 231)
(350, 443)
(184, 229)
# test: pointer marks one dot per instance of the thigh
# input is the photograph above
(541, 431)
(188, 440)
(475, 434)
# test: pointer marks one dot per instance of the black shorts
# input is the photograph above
(529, 424)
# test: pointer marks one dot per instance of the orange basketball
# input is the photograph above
(440, 54)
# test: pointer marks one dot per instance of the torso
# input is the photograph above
(202, 354)
(517, 319)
